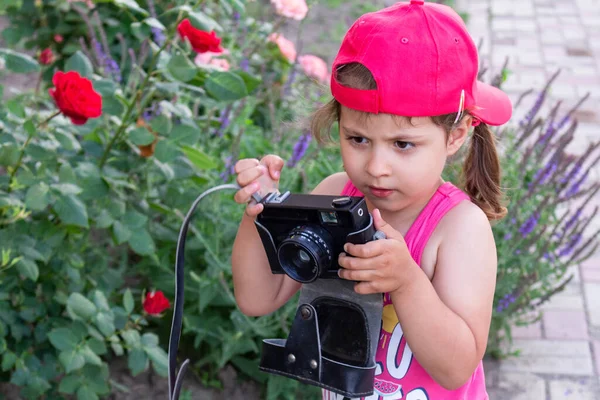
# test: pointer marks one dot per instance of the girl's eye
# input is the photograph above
(357, 140)
(404, 145)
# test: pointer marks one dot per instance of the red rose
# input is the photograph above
(155, 302)
(46, 56)
(75, 97)
(200, 40)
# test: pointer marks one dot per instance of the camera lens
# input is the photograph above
(303, 256)
(305, 253)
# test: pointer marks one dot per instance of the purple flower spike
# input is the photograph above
(529, 225)
(299, 149)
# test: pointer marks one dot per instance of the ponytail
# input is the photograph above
(481, 173)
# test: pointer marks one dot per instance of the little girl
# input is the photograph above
(405, 96)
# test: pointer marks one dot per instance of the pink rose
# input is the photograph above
(286, 47)
(314, 67)
(212, 58)
(295, 9)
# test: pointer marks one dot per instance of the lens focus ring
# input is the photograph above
(305, 253)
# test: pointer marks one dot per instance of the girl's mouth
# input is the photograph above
(380, 192)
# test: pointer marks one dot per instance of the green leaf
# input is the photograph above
(71, 211)
(72, 360)
(225, 86)
(165, 151)
(6, 4)
(18, 62)
(149, 340)
(81, 306)
(9, 154)
(185, 134)
(8, 360)
(66, 174)
(117, 348)
(132, 5)
(16, 108)
(29, 127)
(139, 30)
(141, 242)
(66, 188)
(121, 232)
(128, 302)
(132, 338)
(28, 268)
(69, 384)
(154, 23)
(89, 356)
(105, 87)
(137, 361)
(105, 323)
(20, 376)
(159, 359)
(251, 81)
(182, 68)
(100, 301)
(133, 219)
(198, 158)
(202, 21)
(63, 339)
(97, 345)
(161, 125)
(67, 141)
(141, 136)
(238, 6)
(86, 393)
(112, 106)
(80, 63)
(104, 220)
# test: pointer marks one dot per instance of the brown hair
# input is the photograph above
(481, 169)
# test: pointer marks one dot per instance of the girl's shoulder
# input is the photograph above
(332, 185)
(465, 215)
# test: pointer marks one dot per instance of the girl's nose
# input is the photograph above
(378, 166)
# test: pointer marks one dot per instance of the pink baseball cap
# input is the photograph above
(422, 58)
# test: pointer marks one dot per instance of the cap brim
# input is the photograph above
(493, 106)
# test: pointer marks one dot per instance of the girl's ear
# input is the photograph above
(458, 135)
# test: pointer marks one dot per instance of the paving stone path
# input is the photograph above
(560, 355)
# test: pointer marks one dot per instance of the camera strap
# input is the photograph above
(176, 377)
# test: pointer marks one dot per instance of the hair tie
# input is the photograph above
(476, 122)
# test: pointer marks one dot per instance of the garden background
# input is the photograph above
(112, 122)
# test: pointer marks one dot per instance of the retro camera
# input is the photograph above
(333, 338)
(303, 234)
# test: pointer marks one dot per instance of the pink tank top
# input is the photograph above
(399, 375)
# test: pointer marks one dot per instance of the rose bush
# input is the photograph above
(100, 164)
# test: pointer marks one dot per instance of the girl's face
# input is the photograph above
(393, 163)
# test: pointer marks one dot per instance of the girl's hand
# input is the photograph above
(379, 266)
(248, 171)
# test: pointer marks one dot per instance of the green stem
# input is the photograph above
(22, 154)
(138, 95)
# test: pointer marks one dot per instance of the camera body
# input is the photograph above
(303, 234)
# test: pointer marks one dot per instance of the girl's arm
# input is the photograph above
(446, 321)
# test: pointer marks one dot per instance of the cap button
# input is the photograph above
(419, 2)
